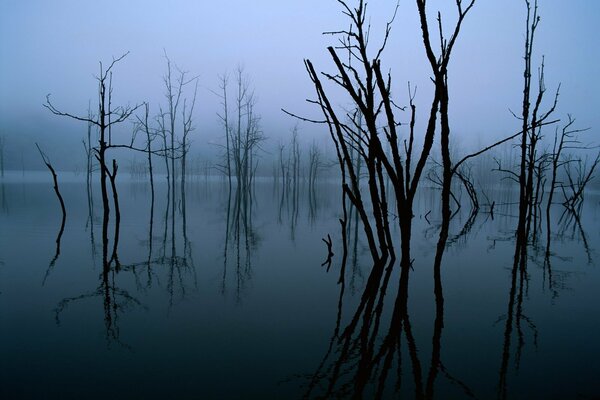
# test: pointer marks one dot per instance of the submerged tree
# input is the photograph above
(376, 140)
(107, 117)
(243, 135)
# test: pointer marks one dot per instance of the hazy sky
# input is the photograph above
(54, 47)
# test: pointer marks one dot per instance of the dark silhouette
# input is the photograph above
(106, 118)
(330, 253)
(62, 207)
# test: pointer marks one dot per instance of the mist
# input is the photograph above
(55, 48)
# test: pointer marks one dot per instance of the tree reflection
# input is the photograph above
(114, 299)
(365, 358)
(240, 242)
(176, 262)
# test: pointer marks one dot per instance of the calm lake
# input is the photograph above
(230, 300)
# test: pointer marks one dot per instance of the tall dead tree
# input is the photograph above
(162, 132)
(243, 135)
(173, 92)
(89, 153)
(107, 117)
(532, 121)
(314, 165)
(439, 67)
(150, 134)
(376, 139)
(188, 127)
(176, 146)
(224, 80)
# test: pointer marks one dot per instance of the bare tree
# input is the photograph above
(150, 134)
(578, 177)
(376, 139)
(107, 117)
(314, 165)
(224, 117)
(56, 189)
(188, 127)
(532, 121)
(439, 66)
(169, 125)
(243, 135)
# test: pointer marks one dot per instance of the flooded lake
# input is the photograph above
(229, 299)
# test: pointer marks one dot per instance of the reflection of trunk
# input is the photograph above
(224, 279)
(183, 163)
(361, 357)
(514, 297)
(57, 252)
(439, 304)
(150, 240)
(113, 177)
(239, 228)
(90, 201)
(237, 213)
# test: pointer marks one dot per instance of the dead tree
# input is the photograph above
(578, 177)
(361, 77)
(245, 135)
(173, 92)
(188, 127)
(532, 121)
(294, 162)
(314, 164)
(89, 152)
(162, 132)
(439, 67)
(566, 139)
(224, 80)
(106, 118)
(169, 126)
(150, 134)
(62, 206)
(56, 190)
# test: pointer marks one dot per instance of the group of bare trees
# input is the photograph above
(535, 163)
(171, 127)
(243, 133)
(370, 135)
(371, 130)
(106, 118)
(371, 142)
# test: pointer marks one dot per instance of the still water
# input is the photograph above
(229, 300)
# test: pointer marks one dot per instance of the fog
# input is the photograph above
(55, 47)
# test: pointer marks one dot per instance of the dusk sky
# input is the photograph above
(54, 47)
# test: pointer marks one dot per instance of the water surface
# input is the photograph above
(234, 302)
